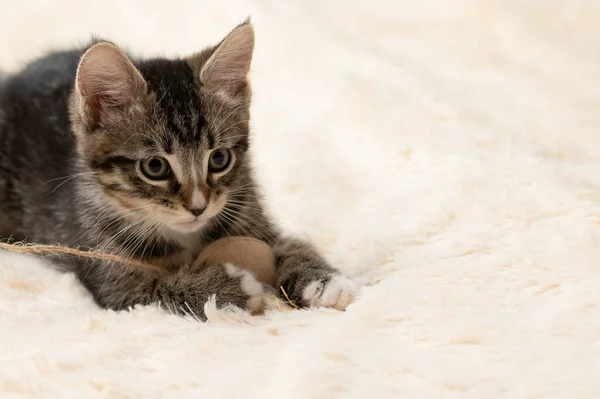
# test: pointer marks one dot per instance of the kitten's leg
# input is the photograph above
(184, 292)
(7, 226)
(308, 279)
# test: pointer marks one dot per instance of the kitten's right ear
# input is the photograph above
(107, 80)
(228, 65)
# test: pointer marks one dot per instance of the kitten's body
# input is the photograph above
(70, 174)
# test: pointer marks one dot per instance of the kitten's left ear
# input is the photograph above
(229, 63)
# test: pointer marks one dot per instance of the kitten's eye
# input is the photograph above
(156, 168)
(219, 160)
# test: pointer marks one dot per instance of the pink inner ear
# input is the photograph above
(230, 62)
(106, 79)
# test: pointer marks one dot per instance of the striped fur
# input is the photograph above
(70, 156)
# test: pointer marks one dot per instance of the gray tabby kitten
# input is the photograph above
(146, 159)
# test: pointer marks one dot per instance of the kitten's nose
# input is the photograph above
(196, 211)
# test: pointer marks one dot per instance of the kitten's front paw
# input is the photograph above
(307, 279)
(191, 289)
(248, 285)
(338, 292)
(332, 290)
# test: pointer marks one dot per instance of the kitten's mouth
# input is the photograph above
(190, 223)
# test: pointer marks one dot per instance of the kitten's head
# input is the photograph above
(167, 138)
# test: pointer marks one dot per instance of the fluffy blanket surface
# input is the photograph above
(444, 152)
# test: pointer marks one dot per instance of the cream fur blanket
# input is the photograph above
(445, 152)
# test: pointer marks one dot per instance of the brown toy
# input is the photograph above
(249, 253)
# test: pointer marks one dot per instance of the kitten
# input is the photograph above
(146, 159)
